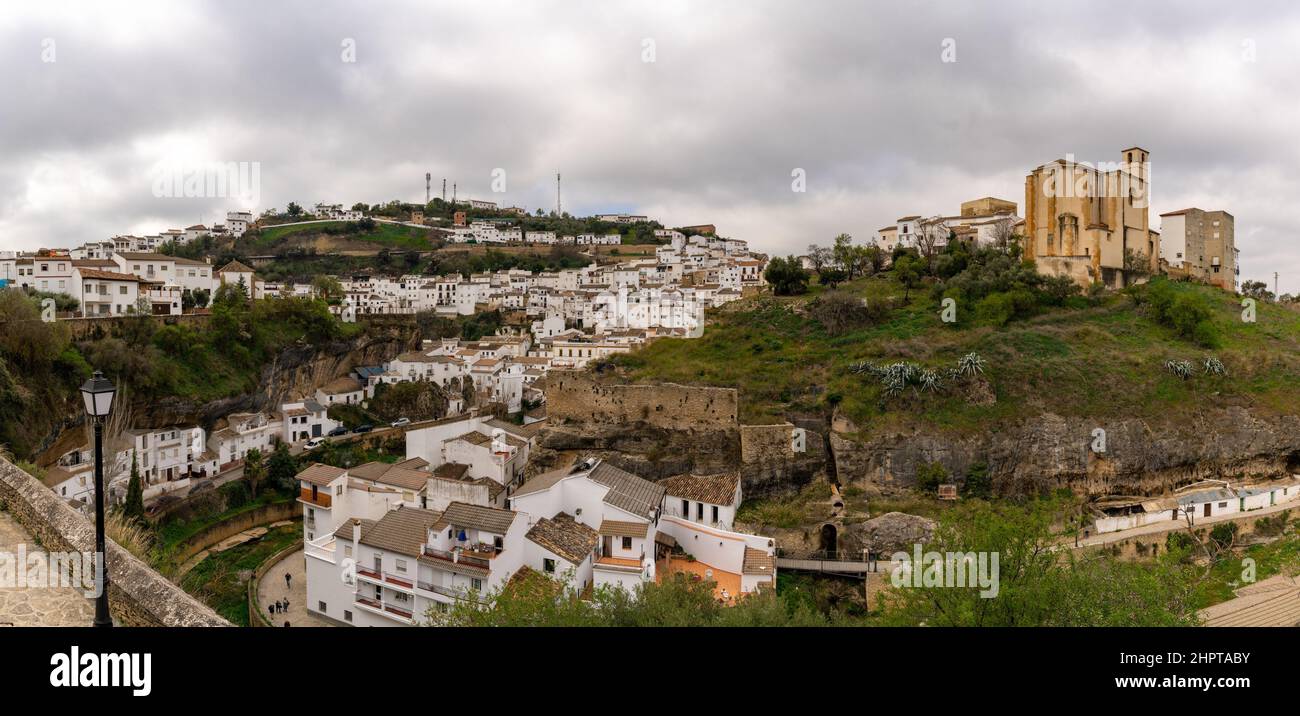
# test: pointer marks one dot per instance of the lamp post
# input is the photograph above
(98, 393)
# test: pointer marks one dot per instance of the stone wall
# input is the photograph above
(579, 397)
(138, 595)
(260, 517)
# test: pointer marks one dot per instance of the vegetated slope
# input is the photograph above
(1100, 358)
(1053, 372)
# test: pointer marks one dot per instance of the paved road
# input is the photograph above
(272, 588)
(38, 606)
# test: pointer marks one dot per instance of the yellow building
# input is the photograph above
(1082, 221)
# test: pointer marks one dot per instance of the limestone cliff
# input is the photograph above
(1050, 452)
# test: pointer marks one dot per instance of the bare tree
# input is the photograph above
(1002, 231)
(931, 235)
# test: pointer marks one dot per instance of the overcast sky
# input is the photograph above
(737, 97)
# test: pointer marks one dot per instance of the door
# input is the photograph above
(315, 430)
(1207, 509)
(607, 546)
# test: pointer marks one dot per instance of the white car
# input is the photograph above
(401, 422)
(314, 443)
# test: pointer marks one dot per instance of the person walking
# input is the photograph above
(288, 580)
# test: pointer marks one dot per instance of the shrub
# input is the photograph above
(930, 475)
(235, 494)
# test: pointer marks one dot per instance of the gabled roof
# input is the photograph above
(487, 519)
(627, 491)
(712, 489)
(319, 474)
(386, 474)
(235, 267)
(565, 537)
(404, 530)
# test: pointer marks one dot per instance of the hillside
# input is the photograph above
(1050, 377)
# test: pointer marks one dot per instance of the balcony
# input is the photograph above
(393, 612)
(458, 557)
(391, 579)
(320, 499)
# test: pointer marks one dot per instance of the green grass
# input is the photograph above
(392, 236)
(217, 580)
(170, 535)
(1099, 361)
(1277, 557)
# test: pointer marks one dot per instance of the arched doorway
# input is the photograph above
(830, 541)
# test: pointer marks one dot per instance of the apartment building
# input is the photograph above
(1200, 244)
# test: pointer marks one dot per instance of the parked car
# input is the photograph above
(314, 443)
(401, 422)
(364, 428)
(340, 430)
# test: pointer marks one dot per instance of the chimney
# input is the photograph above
(356, 538)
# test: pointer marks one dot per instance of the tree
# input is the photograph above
(134, 505)
(1002, 233)
(1136, 263)
(786, 276)
(907, 269)
(254, 470)
(294, 209)
(327, 287)
(1038, 584)
(842, 252)
(977, 483)
(820, 257)
(931, 235)
(282, 469)
(1256, 289)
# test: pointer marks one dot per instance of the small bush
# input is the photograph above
(235, 493)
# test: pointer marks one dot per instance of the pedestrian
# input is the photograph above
(288, 580)
(286, 623)
(271, 608)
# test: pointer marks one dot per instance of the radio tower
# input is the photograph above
(558, 208)
(427, 178)
(453, 193)
(444, 189)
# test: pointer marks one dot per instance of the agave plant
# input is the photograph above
(929, 380)
(970, 364)
(1180, 368)
(1214, 366)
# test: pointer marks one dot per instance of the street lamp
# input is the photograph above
(98, 393)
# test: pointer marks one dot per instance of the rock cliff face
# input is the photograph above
(1053, 452)
(297, 371)
(294, 373)
(648, 451)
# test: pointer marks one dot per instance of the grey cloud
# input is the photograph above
(740, 94)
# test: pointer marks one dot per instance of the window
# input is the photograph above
(686, 508)
(321, 606)
(347, 615)
(715, 513)
(347, 550)
(401, 565)
(627, 543)
(476, 584)
(548, 566)
(699, 510)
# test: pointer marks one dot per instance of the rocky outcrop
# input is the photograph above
(650, 452)
(295, 372)
(1051, 452)
(887, 534)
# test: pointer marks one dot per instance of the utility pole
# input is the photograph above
(453, 193)
(559, 211)
(427, 178)
(444, 189)
(1276, 294)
